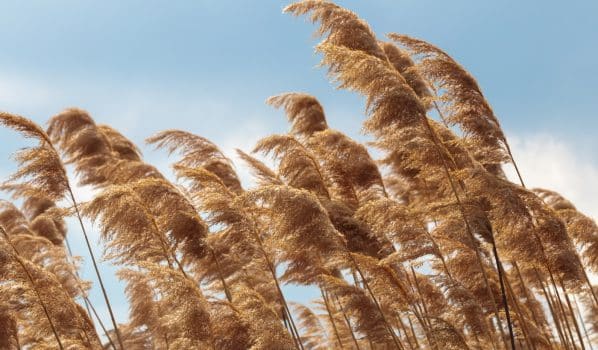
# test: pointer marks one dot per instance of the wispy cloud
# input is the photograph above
(552, 163)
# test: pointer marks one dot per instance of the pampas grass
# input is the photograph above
(429, 247)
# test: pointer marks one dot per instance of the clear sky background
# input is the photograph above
(207, 67)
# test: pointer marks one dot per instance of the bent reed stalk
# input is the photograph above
(429, 247)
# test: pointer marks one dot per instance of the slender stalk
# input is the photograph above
(556, 290)
(285, 321)
(430, 339)
(419, 293)
(278, 288)
(91, 309)
(165, 248)
(553, 312)
(402, 327)
(294, 330)
(514, 162)
(327, 304)
(520, 314)
(227, 292)
(88, 304)
(413, 332)
(587, 280)
(420, 311)
(563, 315)
(577, 330)
(367, 286)
(70, 251)
(95, 313)
(348, 323)
(504, 294)
(585, 331)
(95, 266)
(528, 298)
(592, 292)
(449, 177)
(34, 286)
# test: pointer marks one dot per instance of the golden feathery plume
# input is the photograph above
(175, 215)
(581, 228)
(385, 282)
(264, 175)
(341, 26)
(175, 307)
(299, 168)
(239, 226)
(234, 239)
(464, 102)
(391, 220)
(405, 65)
(524, 221)
(101, 154)
(40, 167)
(75, 133)
(358, 235)
(41, 305)
(9, 338)
(40, 251)
(296, 165)
(393, 106)
(130, 231)
(334, 152)
(313, 334)
(197, 151)
(165, 205)
(120, 145)
(360, 309)
(303, 111)
(445, 336)
(268, 333)
(346, 162)
(229, 330)
(354, 175)
(294, 217)
(42, 173)
(46, 219)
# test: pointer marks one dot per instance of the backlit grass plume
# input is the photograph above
(413, 240)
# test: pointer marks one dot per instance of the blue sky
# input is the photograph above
(208, 66)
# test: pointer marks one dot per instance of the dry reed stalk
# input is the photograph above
(35, 288)
(439, 198)
(331, 317)
(340, 60)
(43, 169)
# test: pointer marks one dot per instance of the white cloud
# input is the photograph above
(548, 162)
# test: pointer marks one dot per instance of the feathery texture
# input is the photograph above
(430, 247)
(197, 151)
(464, 102)
(303, 111)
